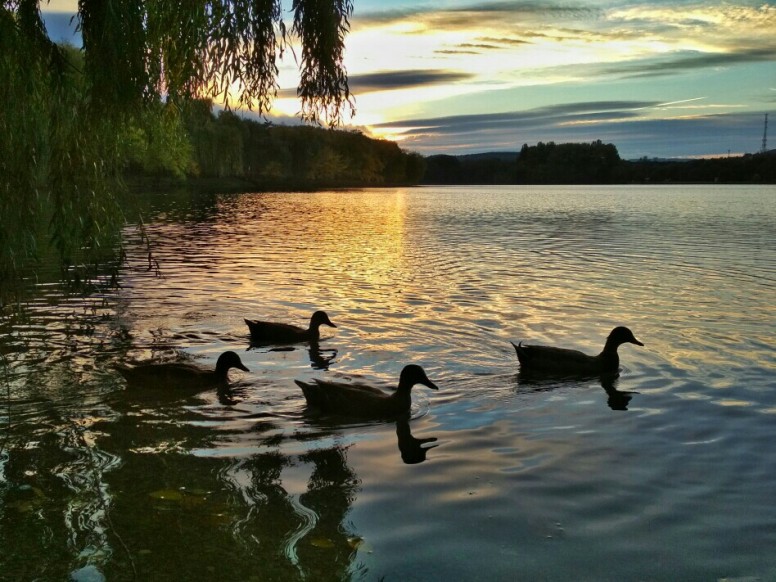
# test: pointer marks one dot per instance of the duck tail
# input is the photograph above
(313, 397)
(520, 351)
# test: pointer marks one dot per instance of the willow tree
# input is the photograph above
(62, 121)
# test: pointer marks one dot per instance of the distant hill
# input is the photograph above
(500, 156)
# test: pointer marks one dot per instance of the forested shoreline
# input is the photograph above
(229, 152)
(242, 153)
(594, 163)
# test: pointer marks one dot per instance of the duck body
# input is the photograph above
(360, 400)
(182, 375)
(562, 361)
(274, 332)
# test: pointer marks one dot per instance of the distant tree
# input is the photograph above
(443, 169)
(571, 163)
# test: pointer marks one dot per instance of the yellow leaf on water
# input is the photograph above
(322, 542)
(167, 495)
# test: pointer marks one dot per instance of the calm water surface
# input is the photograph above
(667, 475)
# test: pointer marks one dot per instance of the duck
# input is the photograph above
(268, 331)
(362, 400)
(553, 360)
(181, 374)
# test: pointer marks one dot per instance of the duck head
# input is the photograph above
(622, 335)
(320, 318)
(229, 360)
(413, 374)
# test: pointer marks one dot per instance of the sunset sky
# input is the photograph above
(665, 78)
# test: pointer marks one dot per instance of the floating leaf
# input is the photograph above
(167, 495)
(322, 542)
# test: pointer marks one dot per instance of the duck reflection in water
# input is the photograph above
(412, 450)
(319, 359)
(541, 382)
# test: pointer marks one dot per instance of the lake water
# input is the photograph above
(667, 475)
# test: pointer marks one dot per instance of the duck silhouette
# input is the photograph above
(273, 332)
(181, 374)
(364, 401)
(563, 361)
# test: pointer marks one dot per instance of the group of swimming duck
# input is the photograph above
(362, 400)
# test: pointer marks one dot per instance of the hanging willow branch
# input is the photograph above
(322, 25)
(225, 50)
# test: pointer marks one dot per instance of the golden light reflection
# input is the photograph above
(362, 244)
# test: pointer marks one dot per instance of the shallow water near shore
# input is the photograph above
(668, 474)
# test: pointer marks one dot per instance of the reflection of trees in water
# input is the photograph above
(304, 537)
(269, 514)
(54, 501)
(331, 490)
(131, 489)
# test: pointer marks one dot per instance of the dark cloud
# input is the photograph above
(391, 80)
(484, 45)
(563, 113)
(456, 52)
(472, 15)
(689, 62)
(634, 136)
(508, 41)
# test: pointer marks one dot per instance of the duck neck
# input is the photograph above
(402, 400)
(314, 331)
(609, 355)
(222, 372)
(403, 392)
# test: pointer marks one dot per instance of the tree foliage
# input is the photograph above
(279, 157)
(481, 169)
(569, 163)
(71, 121)
(219, 49)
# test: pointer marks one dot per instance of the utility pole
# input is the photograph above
(764, 147)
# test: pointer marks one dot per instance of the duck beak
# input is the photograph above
(637, 342)
(430, 384)
(242, 367)
(330, 324)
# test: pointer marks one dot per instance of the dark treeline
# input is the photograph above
(490, 168)
(225, 149)
(259, 155)
(569, 163)
(593, 163)
(749, 168)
